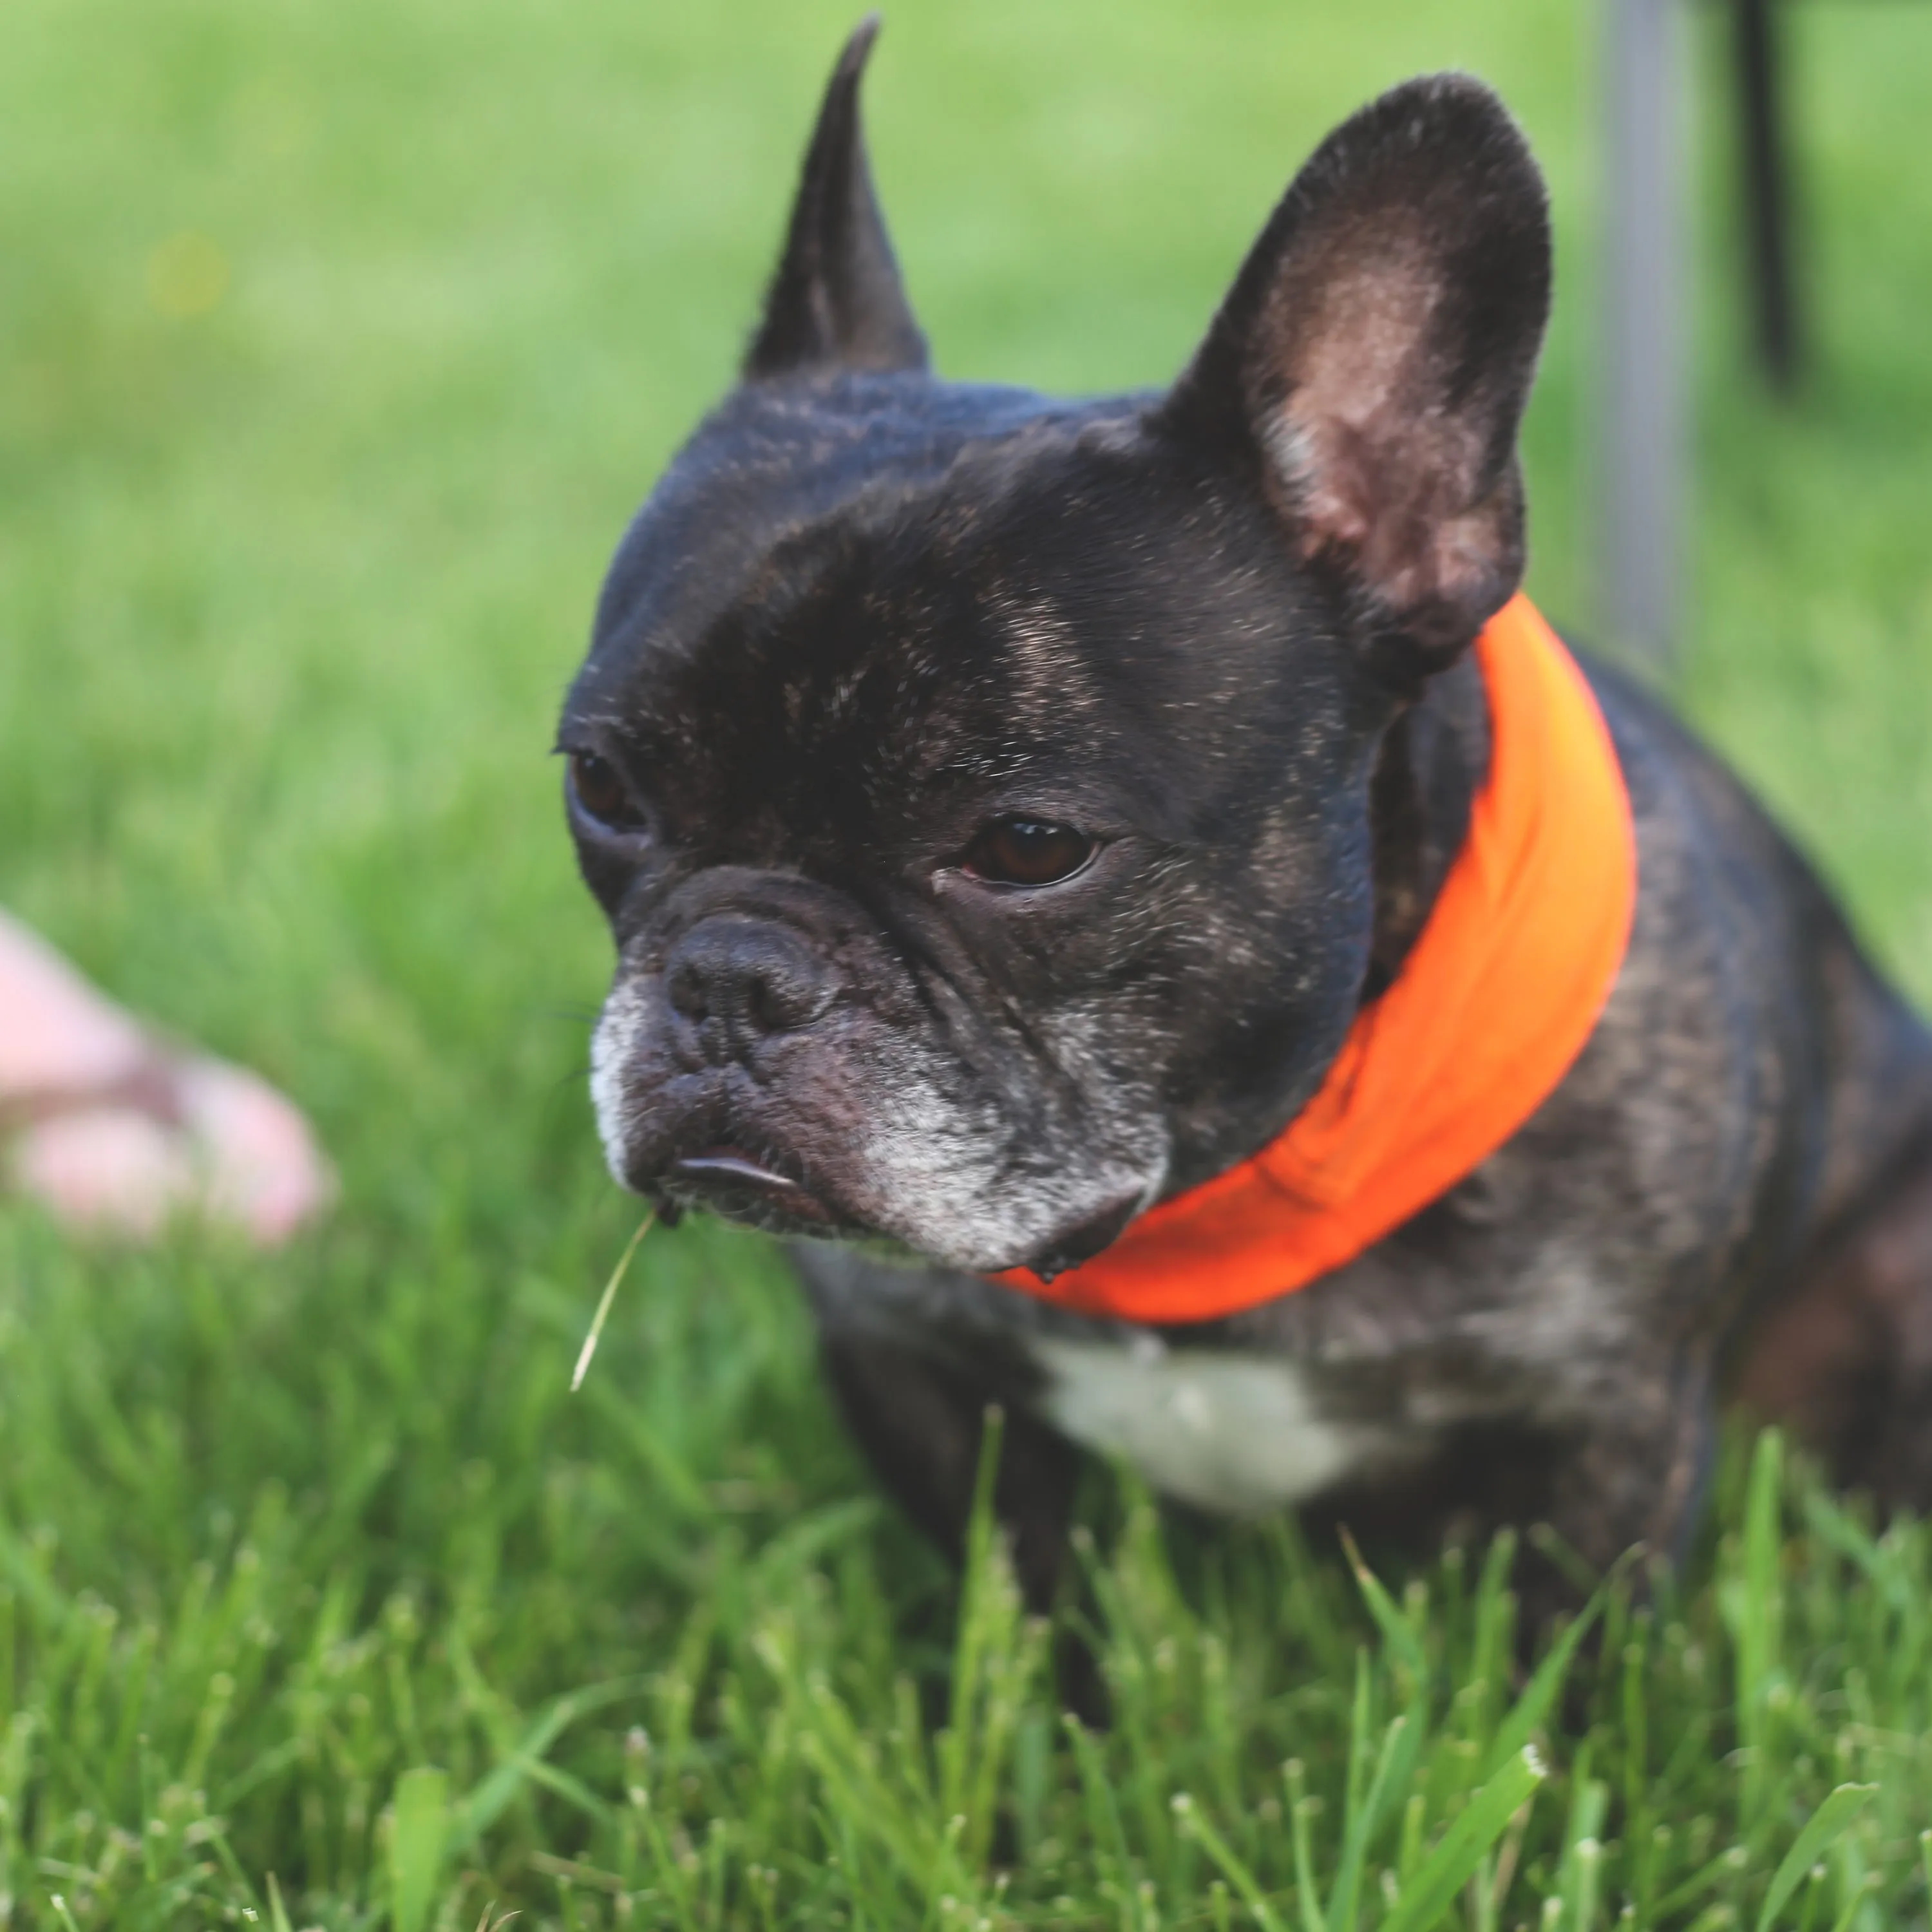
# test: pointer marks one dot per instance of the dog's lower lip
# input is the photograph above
(728, 1168)
(727, 1164)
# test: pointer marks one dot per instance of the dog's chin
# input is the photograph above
(758, 1192)
(1084, 1240)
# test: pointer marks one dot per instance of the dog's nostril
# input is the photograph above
(684, 987)
(772, 1008)
(758, 976)
(781, 995)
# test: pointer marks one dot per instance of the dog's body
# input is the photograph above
(1743, 1156)
(1003, 806)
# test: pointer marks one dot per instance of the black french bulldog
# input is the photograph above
(1003, 805)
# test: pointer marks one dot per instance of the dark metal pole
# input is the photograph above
(1641, 432)
(1762, 131)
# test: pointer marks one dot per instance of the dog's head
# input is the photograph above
(978, 785)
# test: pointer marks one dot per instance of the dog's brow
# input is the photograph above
(1051, 673)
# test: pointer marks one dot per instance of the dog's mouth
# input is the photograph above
(729, 1182)
(754, 1191)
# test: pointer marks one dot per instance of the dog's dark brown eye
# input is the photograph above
(1027, 852)
(602, 793)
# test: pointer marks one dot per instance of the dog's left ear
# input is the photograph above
(1372, 362)
(836, 301)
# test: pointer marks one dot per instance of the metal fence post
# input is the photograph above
(1642, 429)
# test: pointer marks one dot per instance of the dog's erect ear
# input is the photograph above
(1373, 358)
(837, 301)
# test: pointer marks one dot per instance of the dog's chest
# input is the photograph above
(1235, 1434)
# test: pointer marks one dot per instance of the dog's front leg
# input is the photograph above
(921, 1425)
(1632, 1475)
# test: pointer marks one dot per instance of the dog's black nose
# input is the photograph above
(751, 976)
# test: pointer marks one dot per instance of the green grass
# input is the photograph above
(310, 1567)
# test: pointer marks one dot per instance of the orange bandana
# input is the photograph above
(1494, 1003)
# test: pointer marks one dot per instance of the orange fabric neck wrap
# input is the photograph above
(1495, 1000)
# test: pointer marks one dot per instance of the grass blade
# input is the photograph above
(1540, 1693)
(1822, 1829)
(1397, 1633)
(418, 1829)
(1196, 1823)
(1360, 1828)
(1756, 1599)
(1483, 1821)
(604, 1301)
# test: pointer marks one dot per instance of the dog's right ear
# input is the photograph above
(1370, 365)
(836, 301)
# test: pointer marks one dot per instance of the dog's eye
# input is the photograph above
(601, 794)
(1027, 852)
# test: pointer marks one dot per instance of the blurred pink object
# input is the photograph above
(115, 1132)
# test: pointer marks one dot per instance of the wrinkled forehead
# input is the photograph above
(776, 472)
(866, 658)
(851, 585)
(821, 624)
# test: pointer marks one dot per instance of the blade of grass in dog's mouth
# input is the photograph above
(604, 1302)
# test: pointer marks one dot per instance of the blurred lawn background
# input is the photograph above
(336, 343)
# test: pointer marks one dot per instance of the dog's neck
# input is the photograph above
(1433, 759)
(1431, 764)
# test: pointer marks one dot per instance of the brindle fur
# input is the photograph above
(864, 610)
